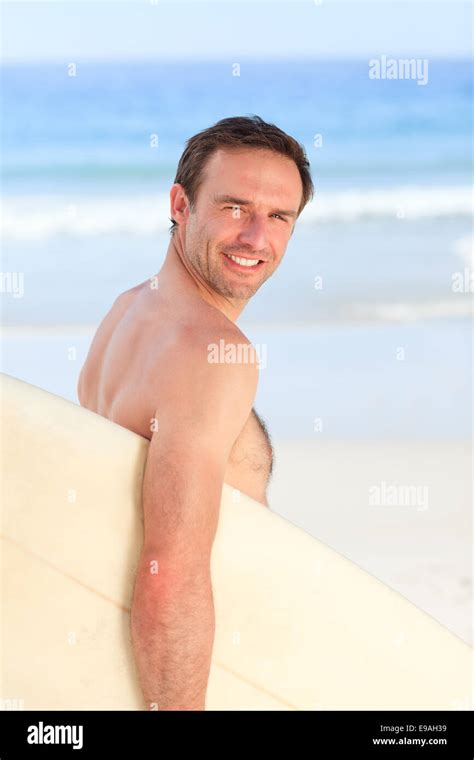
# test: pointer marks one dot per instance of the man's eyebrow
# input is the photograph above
(241, 202)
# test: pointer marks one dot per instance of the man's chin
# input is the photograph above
(245, 294)
(239, 292)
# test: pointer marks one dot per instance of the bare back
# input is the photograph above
(117, 376)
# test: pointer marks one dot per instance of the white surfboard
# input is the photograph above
(298, 626)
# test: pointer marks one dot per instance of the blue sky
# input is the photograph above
(140, 29)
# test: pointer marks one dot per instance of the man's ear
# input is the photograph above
(178, 201)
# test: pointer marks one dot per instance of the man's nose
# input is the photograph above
(254, 233)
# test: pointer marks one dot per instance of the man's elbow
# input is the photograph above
(162, 577)
(166, 592)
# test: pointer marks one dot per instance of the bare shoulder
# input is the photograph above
(125, 298)
(222, 353)
(204, 384)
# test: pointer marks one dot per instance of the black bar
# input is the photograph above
(314, 734)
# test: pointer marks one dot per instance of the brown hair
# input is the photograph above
(238, 132)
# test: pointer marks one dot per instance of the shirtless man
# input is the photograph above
(239, 188)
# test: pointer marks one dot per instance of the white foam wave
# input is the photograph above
(404, 203)
(410, 311)
(37, 218)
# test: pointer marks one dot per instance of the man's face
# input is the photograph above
(246, 206)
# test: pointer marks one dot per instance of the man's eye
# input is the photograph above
(235, 208)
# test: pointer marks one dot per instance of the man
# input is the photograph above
(239, 188)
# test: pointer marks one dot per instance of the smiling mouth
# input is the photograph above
(244, 263)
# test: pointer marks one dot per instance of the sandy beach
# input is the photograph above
(420, 546)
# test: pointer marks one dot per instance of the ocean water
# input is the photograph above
(383, 254)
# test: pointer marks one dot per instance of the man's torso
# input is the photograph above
(116, 380)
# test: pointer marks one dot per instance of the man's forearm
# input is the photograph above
(173, 626)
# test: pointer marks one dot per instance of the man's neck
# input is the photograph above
(177, 277)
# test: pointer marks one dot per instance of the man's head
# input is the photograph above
(239, 188)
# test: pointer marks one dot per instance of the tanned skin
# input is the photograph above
(148, 370)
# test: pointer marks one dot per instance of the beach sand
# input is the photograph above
(420, 544)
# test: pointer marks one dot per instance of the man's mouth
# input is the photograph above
(244, 263)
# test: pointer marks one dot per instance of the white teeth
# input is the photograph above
(243, 262)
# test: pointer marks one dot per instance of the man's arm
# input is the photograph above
(201, 411)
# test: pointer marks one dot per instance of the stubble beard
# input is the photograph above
(214, 271)
(220, 280)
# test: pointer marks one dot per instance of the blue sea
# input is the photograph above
(379, 348)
